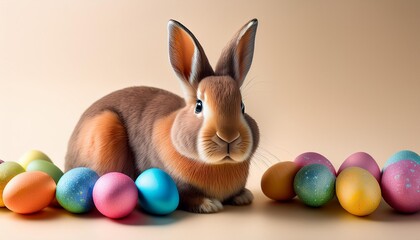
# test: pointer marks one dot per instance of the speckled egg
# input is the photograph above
(158, 193)
(277, 181)
(47, 167)
(358, 191)
(74, 190)
(115, 195)
(400, 185)
(314, 185)
(8, 170)
(402, 155)
(314, 158)
(32, 155)
(362, 160)
(29, 192)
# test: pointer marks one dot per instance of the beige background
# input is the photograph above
(333, 77)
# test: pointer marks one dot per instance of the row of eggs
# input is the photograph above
(34, 182)
(359, 183)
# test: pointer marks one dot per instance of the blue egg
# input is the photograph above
(402, 155)
(74, 190)
(158, 193)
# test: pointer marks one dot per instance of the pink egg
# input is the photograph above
(314, 158)
(115, 195)
(362, 160)
(401, 186)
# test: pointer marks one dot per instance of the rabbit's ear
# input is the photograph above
(236, 58)
(187, 58)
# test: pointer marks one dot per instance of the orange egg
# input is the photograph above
(277, 181)
(29, 192)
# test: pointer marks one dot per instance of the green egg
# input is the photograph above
(8, 170)
(46, 167)
(314, 185)
(32, 155)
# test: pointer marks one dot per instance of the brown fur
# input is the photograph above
(207, 153)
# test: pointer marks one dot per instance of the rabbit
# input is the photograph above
(204, 141)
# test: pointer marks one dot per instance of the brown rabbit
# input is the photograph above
(205, 140)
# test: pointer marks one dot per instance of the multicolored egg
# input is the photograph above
(115, 195)
(277, 181)
(402, 155)
(358, 191)
(29, 192)
(32, 155)
(47, 167)
(400, 185)
(314, 185)
(158, 193)
(314, 158)
(362, 160)
(8, 170)
(74, 190)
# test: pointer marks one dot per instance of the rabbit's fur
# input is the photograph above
(205, 141)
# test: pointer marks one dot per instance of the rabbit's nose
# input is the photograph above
(228, 137)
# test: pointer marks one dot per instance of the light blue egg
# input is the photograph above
(158, 193)
(402, 155)
(74, 190)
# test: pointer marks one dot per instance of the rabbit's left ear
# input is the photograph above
(187, 58)
(236, 58)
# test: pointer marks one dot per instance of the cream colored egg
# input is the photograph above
(32, 155)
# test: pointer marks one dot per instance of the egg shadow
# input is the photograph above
(385, 213)
(43, 215)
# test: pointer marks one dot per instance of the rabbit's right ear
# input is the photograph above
(187, 58)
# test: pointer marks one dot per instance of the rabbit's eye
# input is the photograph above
(198, 106)
(243, 107)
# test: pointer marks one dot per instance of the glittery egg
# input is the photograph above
(314, 158)
(400, 185)
(402, 155)
(74, 190)
(314, 185)
(362, 160)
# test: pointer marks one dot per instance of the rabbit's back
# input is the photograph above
(115, 132)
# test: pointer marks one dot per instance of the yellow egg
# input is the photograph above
(32, 155)
(358, 191)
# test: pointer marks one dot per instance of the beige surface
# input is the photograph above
(334, 77)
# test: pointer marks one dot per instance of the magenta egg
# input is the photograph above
(115, 195)
(400, 185)
(314, 158)
(362, 160)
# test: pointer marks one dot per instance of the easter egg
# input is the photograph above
(47, 167)
(32, 155)
(362, 160)
(314, 158)
(277, 181)
(314, 185)
(7, 171)
(158, 193)
(29, 192)
(74, 190)
(400, 185)
(358, 191)
(115, 195)
(402, 155)
(1, 161)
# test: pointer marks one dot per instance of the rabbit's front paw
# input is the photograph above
(245, 197)
(209, 206)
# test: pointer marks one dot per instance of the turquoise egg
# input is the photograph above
(314, 185)
(74, 190)
(158, 193)
(402, 155)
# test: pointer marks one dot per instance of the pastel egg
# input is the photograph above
(358, 191)
(314, 185)
(402, 155)
(314, 158)
(8, 170)
(362, 160)
(29, 192)
(47, 167)
(400, 185)
(74, 190)
(277, 181)
(32, 155)
(1, 161)
(158, 193)
(115, 195)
